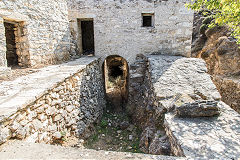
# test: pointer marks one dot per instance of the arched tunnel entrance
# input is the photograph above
(115, 130)
(116, 75)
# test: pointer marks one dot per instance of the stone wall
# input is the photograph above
(3, 62)
(170, 95)
(229, 88)
(45, 31)
(68, 109)
(144, 109)
(141, 96)
(118, 26)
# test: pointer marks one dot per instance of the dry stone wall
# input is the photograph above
(45, 30)
(144, 109)
(118, 26)
(68, 109)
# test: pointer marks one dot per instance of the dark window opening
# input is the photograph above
(147, 20)
(87, 37)
(11, 53)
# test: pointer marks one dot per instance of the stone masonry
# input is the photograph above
(171, 98)
(44, 27)
(180, 95)
(182, 81)
(118, 26)
(57, 101)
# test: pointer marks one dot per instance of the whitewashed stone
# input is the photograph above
(40, 121)
(23, 122)
(52, 128)
(51, 111)
(32, 138)
(57, 118)
(31, 115)
(69, 108)
(42, 136)
(21, 132)
(4, 135)
(40, 109)
(114, 27)
(37, 124)
(15, 126)
(57, 135)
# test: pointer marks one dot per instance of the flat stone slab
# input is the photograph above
(25, 150)
(202, 137)
(24, 90)
(208, 138)
(175, 74)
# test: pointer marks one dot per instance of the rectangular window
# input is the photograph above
(147, 19)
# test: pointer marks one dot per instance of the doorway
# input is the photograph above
(87, 29)
(11, 53)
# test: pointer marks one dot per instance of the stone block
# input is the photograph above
(198, 109)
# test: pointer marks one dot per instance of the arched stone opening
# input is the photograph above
(116, 75)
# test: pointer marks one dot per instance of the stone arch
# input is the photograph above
(116, 78)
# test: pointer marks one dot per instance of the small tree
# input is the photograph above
(225, 12)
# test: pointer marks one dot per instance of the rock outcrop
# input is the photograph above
(221, 54)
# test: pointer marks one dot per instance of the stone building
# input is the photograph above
(33, 33)
(171, 98)
(39, 33)
(130, 27)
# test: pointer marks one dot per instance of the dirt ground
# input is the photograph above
(115, 133)
(25, 150)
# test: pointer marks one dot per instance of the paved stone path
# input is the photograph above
(24, 150)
